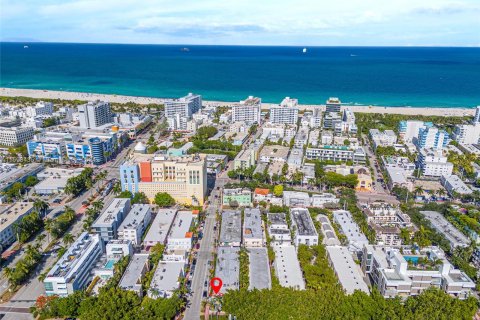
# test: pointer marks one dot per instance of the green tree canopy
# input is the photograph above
(163, 199)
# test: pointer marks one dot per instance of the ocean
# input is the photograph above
(384, 76)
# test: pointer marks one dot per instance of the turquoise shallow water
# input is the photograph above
(442, 77)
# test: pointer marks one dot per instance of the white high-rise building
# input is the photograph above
(179, 111)
(41, 108)
(289, 102)
(15, 136)
(408, 130)
(476, 119)
(467, 133)
(249, 110)
(94, 114)
(286, 113)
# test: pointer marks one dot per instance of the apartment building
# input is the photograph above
(94, 114)
(15, 136)
(244, 160)
(48, 148)
(387, 221)
(133, 276)
(336, 153)
(303, 227)
(40, 109)
(454, 185)
(106, 225)
(432, 138)
(72, 272)
(160, 228)
(347, 271)
(180, 237)
(166, 279)
(242, 197)
(284, 114)
(355, 237)
(329, 236)
(433, 163)
(248, 110)
(409, 130)
(184, 178)
(179, 111)
(253, 235)
(383, 139)
(467, 133)
(287, 267)
(443, 226)
(410, 273)
(333, 104)
(278, 229)
(9, 216)
(231, 229)
(135, 223)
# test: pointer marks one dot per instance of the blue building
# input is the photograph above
(432, 138)
(46, 150)
(130, 177)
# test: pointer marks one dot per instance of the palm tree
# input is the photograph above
(97, 205)
(69, 213)
(41, 237)
(68, 239)
(117, 188)
(441, 192)
(40, 206)
(49, 226)
(8, 273)
(418, 190)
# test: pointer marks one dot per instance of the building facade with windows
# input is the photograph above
(15, 136)
(94, 114)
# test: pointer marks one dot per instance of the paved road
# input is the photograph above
(205, 253)
(34, 287)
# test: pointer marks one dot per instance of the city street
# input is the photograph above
(205, 253)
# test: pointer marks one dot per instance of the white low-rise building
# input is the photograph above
(348, 272)
(135, 223)
(72, 272)
(453, 184)
(180, 237)
(157, 234)
(329, 236)
(320, 200)
(134, 274)
(278, 229)
(9, 216)
(410, 272)
(350, 229)
(303, 227)
(287, 267)
(253, 235)
(434, 163)
(166, 279)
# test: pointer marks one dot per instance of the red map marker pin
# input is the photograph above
(216, 284)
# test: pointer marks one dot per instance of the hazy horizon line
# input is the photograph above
(240, 45)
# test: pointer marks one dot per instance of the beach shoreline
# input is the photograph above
(70, 95)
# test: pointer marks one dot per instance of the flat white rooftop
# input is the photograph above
(442, 225)
(181, 224)
(160, 226)
(350, 228)
(252, 224)
(132, 278)
(231, 229)
(165, 278)
(347, 271)
(111, 213)
(228, 268)
(288, 268)
(259, 269)
(135, 217)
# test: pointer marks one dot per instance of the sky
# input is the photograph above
(247, 22)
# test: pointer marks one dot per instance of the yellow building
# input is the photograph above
(184, 178)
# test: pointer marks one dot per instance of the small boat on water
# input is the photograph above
(25, 47)
(185, 49)
(304, 50)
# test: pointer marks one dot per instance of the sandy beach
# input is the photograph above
(67, 95)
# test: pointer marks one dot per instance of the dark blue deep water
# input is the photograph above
(445, 77)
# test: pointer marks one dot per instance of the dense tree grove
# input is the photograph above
(325, 299)
(75, 185)
(163, 199)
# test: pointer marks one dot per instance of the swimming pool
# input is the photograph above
(413, 259)
(109, 264)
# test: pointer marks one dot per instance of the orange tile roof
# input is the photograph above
(188, 234)
(195, 211)
(263, 192)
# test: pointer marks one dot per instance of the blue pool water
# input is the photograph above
(412, 259)
(109, 264)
